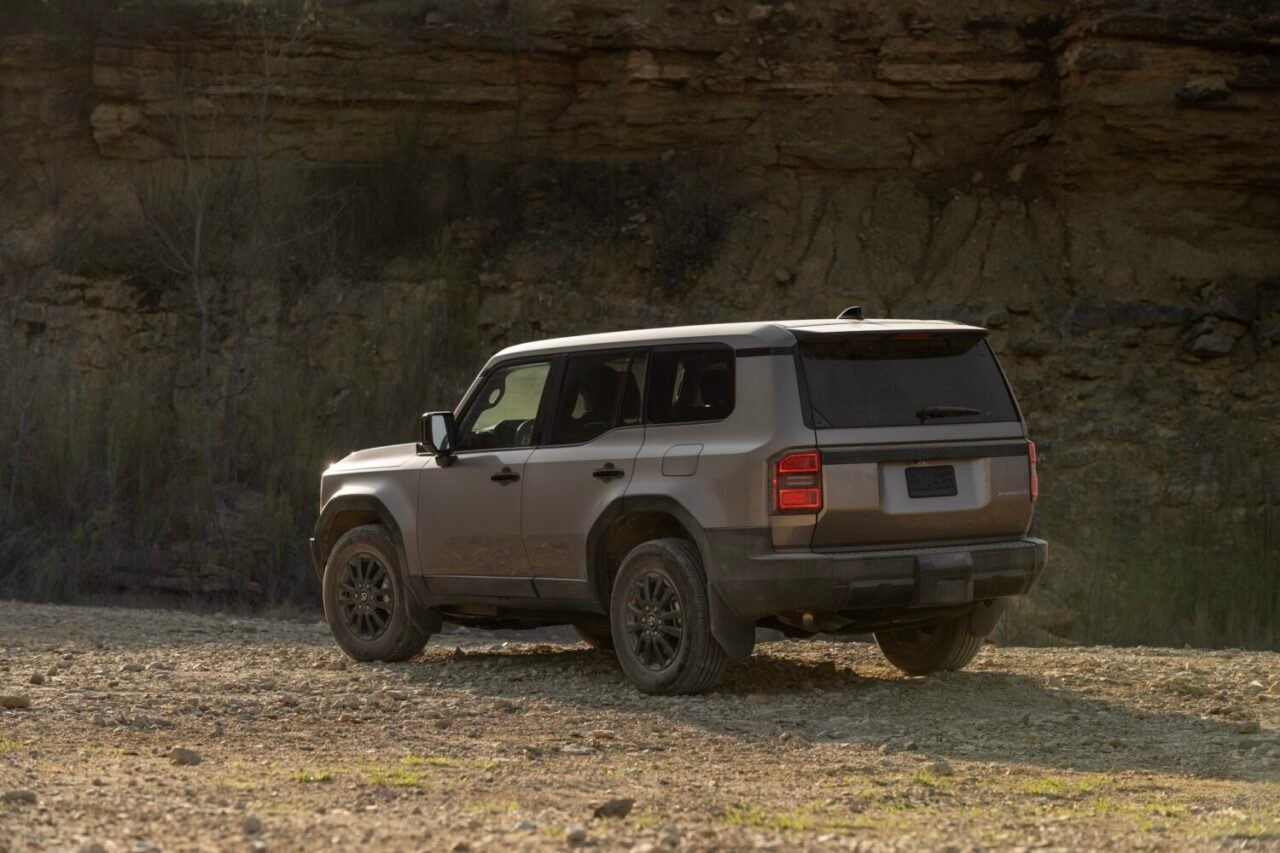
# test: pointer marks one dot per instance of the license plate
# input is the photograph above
(933, 481)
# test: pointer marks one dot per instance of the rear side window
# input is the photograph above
(592, 390)
(690, 385)
(904, 380)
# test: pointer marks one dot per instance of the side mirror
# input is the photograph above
(437, 434)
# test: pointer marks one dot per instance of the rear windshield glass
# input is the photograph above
(866, 381)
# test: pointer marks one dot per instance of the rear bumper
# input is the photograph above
(755, 581)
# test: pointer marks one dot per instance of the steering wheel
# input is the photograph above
(524, 433)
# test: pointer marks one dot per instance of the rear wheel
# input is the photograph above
(365, 600)
(661, 620)
(947, 645)
(595, 634)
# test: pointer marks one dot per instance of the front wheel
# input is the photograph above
(365, 600)
(946, 645)
(661, 620)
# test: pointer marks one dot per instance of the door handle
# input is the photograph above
(608, 472)
(505, 476)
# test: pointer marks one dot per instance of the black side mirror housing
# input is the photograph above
(437, 435)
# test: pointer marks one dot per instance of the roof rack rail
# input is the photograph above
(853, 312)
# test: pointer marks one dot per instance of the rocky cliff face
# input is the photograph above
(1098, 182)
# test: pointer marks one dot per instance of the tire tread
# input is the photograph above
(408, 640)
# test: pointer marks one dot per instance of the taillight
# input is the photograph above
(1031, 463)
(797, 482)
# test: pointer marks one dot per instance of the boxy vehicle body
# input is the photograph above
(667, 491)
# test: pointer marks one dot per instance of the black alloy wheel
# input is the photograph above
(366, 597)
(654, 620)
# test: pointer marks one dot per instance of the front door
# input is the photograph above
(584, 463)
(469, 504)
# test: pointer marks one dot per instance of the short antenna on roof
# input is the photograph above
(853, 312)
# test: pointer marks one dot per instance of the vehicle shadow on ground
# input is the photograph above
(971, 716)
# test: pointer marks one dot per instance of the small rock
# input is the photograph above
(98, 720)
(1248, 727)
(251, 825)
(37, 678)
(524, 826)
(670, 834)
(18, 798)
(617, 808)
(575, 836)
(941, 767)
(184, 757)
(131, 667)
(15, 701)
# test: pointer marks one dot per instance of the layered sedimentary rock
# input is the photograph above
(1098, 182)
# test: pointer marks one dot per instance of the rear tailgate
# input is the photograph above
(920, 438)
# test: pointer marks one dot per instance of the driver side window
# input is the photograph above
(505, 411)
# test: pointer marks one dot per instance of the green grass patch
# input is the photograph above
(309, 776)
(931, 780)
(811, 817)
(396, 777)
(9, 746)
(444, 761)
(1053, 786)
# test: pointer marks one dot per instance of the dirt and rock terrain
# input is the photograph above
(143, 730)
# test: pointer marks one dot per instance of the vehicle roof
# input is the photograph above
(738, 335)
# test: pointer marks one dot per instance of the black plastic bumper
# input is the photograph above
(755, 581)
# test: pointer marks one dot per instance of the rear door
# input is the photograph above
(920, 438)
(584, 463)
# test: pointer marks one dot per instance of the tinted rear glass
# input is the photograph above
(690, 385)
(864, 381)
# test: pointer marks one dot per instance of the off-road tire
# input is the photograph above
(698, 660)
(400, 639)
(595, 634)
(946, 646)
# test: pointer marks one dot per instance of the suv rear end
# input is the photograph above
(909, 508)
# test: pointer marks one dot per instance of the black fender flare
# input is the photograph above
(735, 634)
(420, 611)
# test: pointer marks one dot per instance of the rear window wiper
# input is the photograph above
(929, 412)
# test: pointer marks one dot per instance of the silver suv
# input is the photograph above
(667, 491)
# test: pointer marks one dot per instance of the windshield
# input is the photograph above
(907, 379)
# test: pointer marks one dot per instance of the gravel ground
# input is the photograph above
(156, 730)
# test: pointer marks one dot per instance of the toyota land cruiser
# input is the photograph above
(667, 491)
